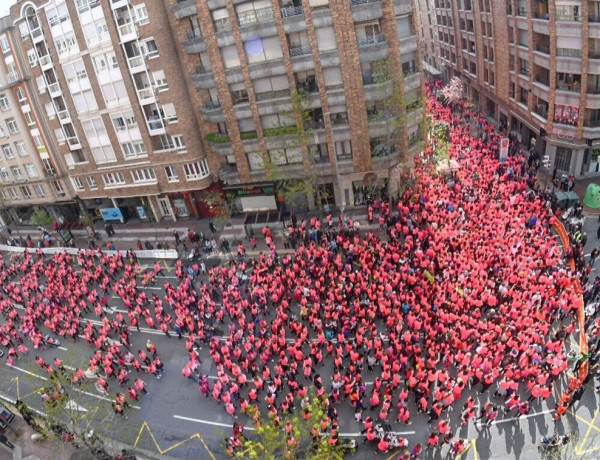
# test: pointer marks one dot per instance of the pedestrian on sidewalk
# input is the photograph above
(225, 245)
(108, 228)
(594, 254)
(212, 227)
(177, 237)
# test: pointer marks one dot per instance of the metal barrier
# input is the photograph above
(145, 254)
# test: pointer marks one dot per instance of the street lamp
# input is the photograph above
(547, 164)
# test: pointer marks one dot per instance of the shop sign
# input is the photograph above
(251, 191)
(111, 214)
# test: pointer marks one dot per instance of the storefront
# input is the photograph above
(251, 198)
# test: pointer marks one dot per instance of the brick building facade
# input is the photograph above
(533, 65)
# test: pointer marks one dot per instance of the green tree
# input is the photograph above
(291, 437)
(41, 218)
(298, 190)
(218, 206)
(87, 219)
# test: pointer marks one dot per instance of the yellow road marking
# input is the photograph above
(169, 269)
(16, 379)
(591, 426)
(472, 444)
(146, 427)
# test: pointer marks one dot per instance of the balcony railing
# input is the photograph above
(45, 60)
(594, 18)
(542, 112)
(372, 40)
(300, 51)
(127, 29)
(210, 106)
(73, 141)
(543, 81)
(524, 72)
(362, 2)
(146, 93)
(13, 77)
(54, 88)
(292, 11)
(273, 95)
(594, 54)
(568, 17)
(521, 11)
(593, 89)
(542, 48)
(63, 115)
(568, 52)
(192, 34)
(136, 61)
(247, 18)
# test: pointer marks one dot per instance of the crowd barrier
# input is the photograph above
(583, 343)
(145, 254)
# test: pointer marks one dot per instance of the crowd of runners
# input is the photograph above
(461, 290)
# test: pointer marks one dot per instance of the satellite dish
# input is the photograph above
(370, 179)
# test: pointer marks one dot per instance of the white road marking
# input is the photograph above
(63, 348)
(513, 419)
(206, 422)
(395, 433)
(27, 372)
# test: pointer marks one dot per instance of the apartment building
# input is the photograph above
(114, 100)
(294, 88)
(534, 65)
(28, 173)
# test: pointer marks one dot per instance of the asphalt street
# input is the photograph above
(175, 419)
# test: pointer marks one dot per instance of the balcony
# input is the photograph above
(45, 61)
(74, 143)
(13, 77)
(292, 11)
(136, 64)
(594, 18)
(568, 17)
(249, 18)
(128, 32)
(156, 126)
(372, 40)
(116, 4)
(366, 10)
(542, 112)
(300, 51)
(146, 95)
(54, 90)
(37, 35)
(203, 79)
(195, 42)
(362, 2)
(541, 48)
(184, 9)
(64, 116)
(522, 12)
(282, 93)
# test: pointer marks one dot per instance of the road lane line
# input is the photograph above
(206, 422)
(513, 419)
(27, 372)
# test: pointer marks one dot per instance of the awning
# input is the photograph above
(430, 69)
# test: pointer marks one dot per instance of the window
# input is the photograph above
(4, 104)
(13, 128)
(134, 150)
(8, 153)
(58, 188)
(4, 43)
(30, 120)
(221, 19)
(143, 175)
(178, 141)
(60, 136)
(343, 149)
(563, 159)
(4, 174)
(49, 167)
(26, 191)
(77, 184)
(31, 171)
(112, 179)
(106, 61)
(17, 172)
(13, 193)
(285, 156)
(21, 150)
(66, 45)
(21, 96)
(196, 170)
(98, 139)
(169, 114)
(141, 14)
(263, 49)
(150, 48)
(171, 172)
(39, 142)
(92, 182)
(41, 84)
(32, 57)
(124, 121)
(57, 14)
(85, 5)
(160, 81)
(255, 161)
(39, 190)
(113, 91)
